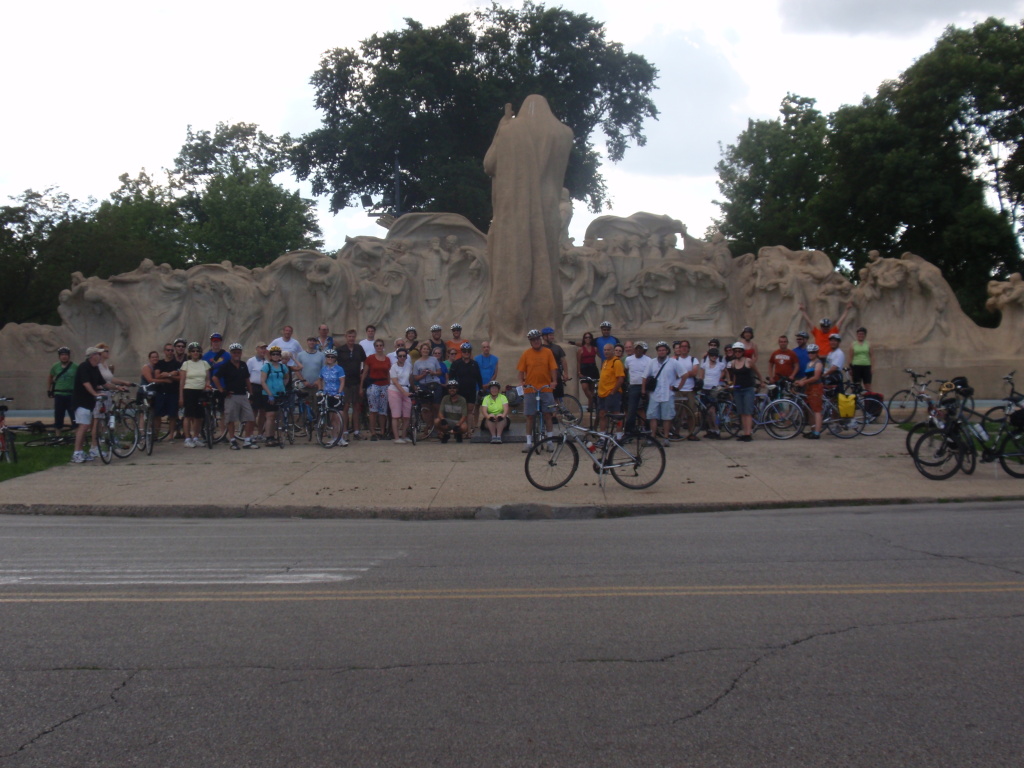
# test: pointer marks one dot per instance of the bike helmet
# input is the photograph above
(493, 384)
(274, 350)
(63, 351)
(713, 342)
(664, 344)
(435, 327)
(547, 330)
(606, 324)
(465, 346)
(331, 353)
(641, 345)
(826, 323)
(180, 341)
(456, 327)
(452, 383)
(802, 334)
(812, 347)
(533, 334)
(747, 328)
(411, 328)
(835, 336)
(216, 335)
(739, 345)
(194, 345)
(235, 346)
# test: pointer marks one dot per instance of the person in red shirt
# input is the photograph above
(783, 362)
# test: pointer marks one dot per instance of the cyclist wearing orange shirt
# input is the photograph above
(537, 369)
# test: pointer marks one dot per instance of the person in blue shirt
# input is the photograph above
(488, 363)
(605, 338)
(332, 383)
(216, 354)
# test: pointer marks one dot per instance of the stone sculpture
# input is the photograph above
(527, 161)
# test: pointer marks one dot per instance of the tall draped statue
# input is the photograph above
(527, 161)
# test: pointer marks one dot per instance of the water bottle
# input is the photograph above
(591, 447)
(979, 432)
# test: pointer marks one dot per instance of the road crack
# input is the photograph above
(112, 699)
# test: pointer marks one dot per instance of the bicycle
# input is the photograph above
(145, 412)
(904, 404)
(781, 416)
(875, 413)
(327, 423)
(1012, 402)
(637, 462)
(420, 427)
(843, 427)
(940, 452)
(537, 435)
(8, 451)
(123, 427)
(103, 429)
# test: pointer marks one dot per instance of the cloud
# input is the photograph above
(699, 98)
(899, 18)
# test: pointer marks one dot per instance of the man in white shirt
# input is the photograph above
(713, 368)
(662, 404)
(255, 366)
(835, 361)
(288, 344)
(367, 343)
(637, 366)
(691, 372)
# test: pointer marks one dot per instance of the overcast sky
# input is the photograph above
(94, 90)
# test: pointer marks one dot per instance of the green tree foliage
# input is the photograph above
(220, 202)
(770, 177)
(435, 95)
(912, 168)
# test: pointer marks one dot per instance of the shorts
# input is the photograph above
(352, 395)
(194, 403)
(861, 374)
(165, 405)
(744, 400)
(547, 402)
(258, 401)
(814, 396)
(377, 398)
(401, 404)
(663, 411)
(83, 416)
(612, 403)
(237, 408)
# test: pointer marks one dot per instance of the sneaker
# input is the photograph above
(342, 441)
(356, 435)
(398, 440)
(495, 441)
(528, 447)
(250, 446)
(78, 457)
(373, 438)
(666, 443)
(235, 446)
(745, 438)
(260, 438)
(693, 439)
(458, 437)
(94, 452)
(812, 435)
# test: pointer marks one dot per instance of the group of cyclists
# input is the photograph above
(369, 390)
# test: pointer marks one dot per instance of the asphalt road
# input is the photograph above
(886, 636)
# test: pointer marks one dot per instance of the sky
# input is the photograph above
(94, 90)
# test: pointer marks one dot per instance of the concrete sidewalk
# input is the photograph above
(431, 481)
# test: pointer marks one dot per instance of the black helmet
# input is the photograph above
(465, 346)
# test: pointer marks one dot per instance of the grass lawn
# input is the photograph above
(34, 460)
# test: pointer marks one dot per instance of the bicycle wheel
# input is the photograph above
(324, 433)
(103, 440)
(414, 425)
(570, 410)
(937, 455)
(969, 460)
(684, 423)
(45, 442)
(842, 427)
(783, 419)
(639, 463)
(915, 432)
(876, 417)
(728, 418)
(995, 415)
(124, 436)
(1011, 454)
(548, 471)
(902, 407)
(424, 425)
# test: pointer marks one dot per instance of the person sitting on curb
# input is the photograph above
(495, 409)
(454, 414)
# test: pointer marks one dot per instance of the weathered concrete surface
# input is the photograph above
(431, 481)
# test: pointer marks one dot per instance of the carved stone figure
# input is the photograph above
(527, 161)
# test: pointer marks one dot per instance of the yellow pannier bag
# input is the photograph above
(847, 406)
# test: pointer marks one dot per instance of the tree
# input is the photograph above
(770, 177)
(435, 96)
(911, 168)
